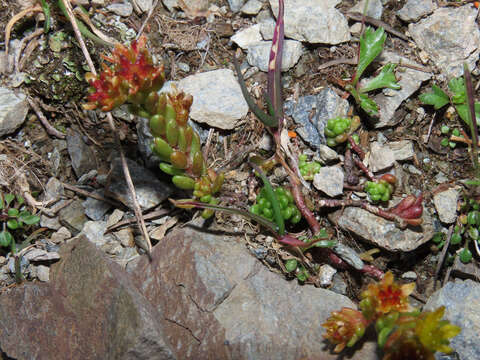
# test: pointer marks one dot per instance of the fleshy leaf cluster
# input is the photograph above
(402, 332)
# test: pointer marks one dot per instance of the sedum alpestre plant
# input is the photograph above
(402, 331)
(134, 80)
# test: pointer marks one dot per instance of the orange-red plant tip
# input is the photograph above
(476, 4)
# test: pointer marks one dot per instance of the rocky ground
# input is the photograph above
(219, 289)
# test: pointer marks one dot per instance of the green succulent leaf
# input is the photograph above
(8, 199)
(6, 238)
(385, 79)
(463, 112)
(12, 212)
(438, 98)
(457, 87)
(13, 224)
(29, 219)
(1, 201)
(371, 45)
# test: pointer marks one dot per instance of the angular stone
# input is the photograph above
(94, 231)
(246, 37)
(36, 254)
(43, 273)
(462, 308)
(144, 5)
(235, 5)
(413, 10)
(381, 157)
(96, 209)
(124, 9)
(313, 111)
(465, 271)
(326, 154)
(374, 9)
(13, 110)
(89, 300)
(314, 21)
(73, 216)
(80, 153)
(219, 310)
(446, 205)
(258, 54)
(217, 98)
(381, 232)
(402, 150)
(149, 190)
(389, 100)
(252, 7)
(329, 180)
(450, 37)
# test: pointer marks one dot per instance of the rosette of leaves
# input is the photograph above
(371, 45)
(264, 207)
(15, 217)
(402, 332)
(382, 189)
(134, 79)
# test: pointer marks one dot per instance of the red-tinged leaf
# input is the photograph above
(292, 241)
(274, 88)
(404, 204)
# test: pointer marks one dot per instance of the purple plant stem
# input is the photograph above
(362, 167)
(355, 147)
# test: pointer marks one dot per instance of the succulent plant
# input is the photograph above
(135, 80)
(402, 332)
(338, 128)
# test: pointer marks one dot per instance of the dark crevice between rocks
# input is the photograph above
(184, 327)
(4, 356)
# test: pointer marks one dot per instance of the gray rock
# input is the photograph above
(326, 154)
(390, 100)
(465, 271)
(222, 311)
(43, 273)
(149, 189)
(324, 106)
(124, 9)
(235, 5)
(252, 7)
(450, 37)
(381, 232)
(409, 275)
(13, 110)
(374, 10)
(381, 157)
(60, 236)
(258, 54)
(329, 180)
(94, 231)
(170, 4)
(125, 236)
(143, 5)
(80, 153)
(349, 255)
(314, 21)
(267, 27)
(36, 254)
(98, 305)
(413, 10)
(217, 98)
(446, 205)
(248, 36)
(73, 216)
(460, 299)
(325, 275)
(402, 150)
(96, 209)
(115, 217)
(50, 222)
(53, 189)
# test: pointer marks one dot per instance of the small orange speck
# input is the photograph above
(476, 4)
(292, 134)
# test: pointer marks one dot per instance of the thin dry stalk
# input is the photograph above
(111, 123)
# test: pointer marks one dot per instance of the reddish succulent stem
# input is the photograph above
(362, 167)
(307, 214)
(358, 150)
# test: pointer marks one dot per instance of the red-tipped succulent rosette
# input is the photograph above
(131, 77)
(345, 328)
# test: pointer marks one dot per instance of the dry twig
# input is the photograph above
(50, 129)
